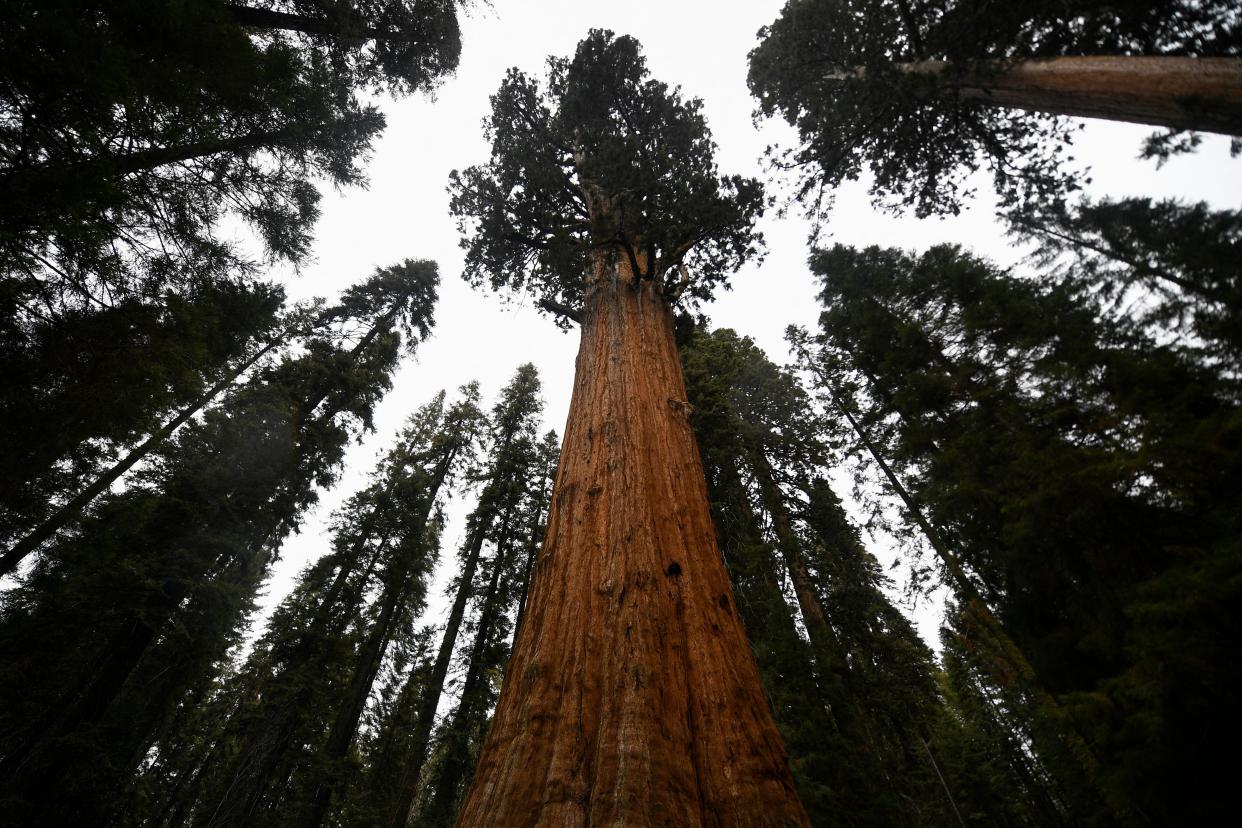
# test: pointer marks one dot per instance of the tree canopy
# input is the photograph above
(1078, 461)
(130, 131)
(600, 159)
(898, 89)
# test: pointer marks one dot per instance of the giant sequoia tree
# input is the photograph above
(922, 93)
(631, 693)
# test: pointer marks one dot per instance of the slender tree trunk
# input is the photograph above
(1202, 93)
(14, 555)
(430, 699)
(943, 784)
(829, 653)
(632, 694)
(345, 725)
(822, 635)
(534, 535)
(455, 760)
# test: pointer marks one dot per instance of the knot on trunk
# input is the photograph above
(681, 407)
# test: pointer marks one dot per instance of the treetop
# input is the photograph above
(601, 159)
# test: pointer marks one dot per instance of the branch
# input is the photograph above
(682, 283)
(554, 307)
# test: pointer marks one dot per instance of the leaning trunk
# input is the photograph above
(1176, 92)
(829, 653)
(632, 694)
(12, 557)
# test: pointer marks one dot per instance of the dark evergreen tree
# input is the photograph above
(1169, 268)
(505, 480)
(921, 93)
(129, 129)
(995, 779)
(82, 387)
(536, 518)
(1083, 473)
(518, 407)
(856, 699)
(505, 576)
(299, 676)
(123, 618)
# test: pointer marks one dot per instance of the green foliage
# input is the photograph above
(83, 384)
(124, 617)
(845, 74)
(385, 537)
(129, 131)
(856, 696)
(508, 522)
(1184, 255)
(602, 159)
(994, 779)
(1082, 464)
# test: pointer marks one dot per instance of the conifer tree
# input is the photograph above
(505, 478)
(299, 677)
(1053, 446)
(995, 778)
(921, 94)
(1183, 256)
(505, 577)
(131, 130)
(631, 692)
(536, 518)
(83, 386)
(855, 699)
(130, 613)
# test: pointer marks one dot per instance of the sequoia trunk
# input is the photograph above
(1175, 92)
(632, 695)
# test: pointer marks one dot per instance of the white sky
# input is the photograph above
(702, 46)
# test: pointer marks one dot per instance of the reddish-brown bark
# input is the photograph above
(632, 696)
(1175, 92)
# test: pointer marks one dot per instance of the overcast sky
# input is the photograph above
(700, 45)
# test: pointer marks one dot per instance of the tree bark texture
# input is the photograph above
(632, 696)
(1175, 92)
